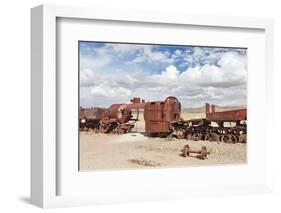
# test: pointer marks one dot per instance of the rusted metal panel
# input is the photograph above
(153, 111)
(157, 127)
(136, 100)
(118, 112)
(136, 103)
(213, 109)
(172, 109)
(153, 116)
(93, 113)
(136, 106)
(230, 115)
(159, 115)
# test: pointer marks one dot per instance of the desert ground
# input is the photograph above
(135, 150)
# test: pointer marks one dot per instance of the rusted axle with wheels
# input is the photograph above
(202, 154)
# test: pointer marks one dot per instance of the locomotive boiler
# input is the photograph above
(118, 118)
(118, 112)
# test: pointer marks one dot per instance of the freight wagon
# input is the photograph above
(90, 118)
(227, 126)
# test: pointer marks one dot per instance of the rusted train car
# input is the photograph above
(236, 115)
(117, 118)
(159, 116)
(163, 118)
(90, 118)
(231, 125)
(225, 126)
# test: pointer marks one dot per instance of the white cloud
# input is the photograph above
(146, 54)
(230, 72)
(224, 84)
(178, 52)
(189, 58)
(108, 91)
(122, 48)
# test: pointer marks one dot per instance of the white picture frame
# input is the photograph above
(44, 155)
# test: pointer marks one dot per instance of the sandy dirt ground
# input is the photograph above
(135, 150)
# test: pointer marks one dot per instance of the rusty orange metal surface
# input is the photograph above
(136, 103)
(230, 115)
(153, 111)
(162, 118)
(93, 113)
(159, 115)
(157, 127)
(172, 109)
(117, 112)
(136, 100)
(136, 106)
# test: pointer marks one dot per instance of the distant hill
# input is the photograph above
(217, 108)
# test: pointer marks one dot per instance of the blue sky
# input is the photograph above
(115, 72)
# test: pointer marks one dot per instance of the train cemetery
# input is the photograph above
(160, 134)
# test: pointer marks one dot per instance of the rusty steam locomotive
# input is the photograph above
(163, 118)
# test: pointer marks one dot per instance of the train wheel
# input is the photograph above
(185, 151)
(215, 137)
(196, 136)
(212, 137)
(229, 138)
(180, 133)
(208, 137)
(243, 138)
(225, 138)
(233, 139)
(189, 137)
